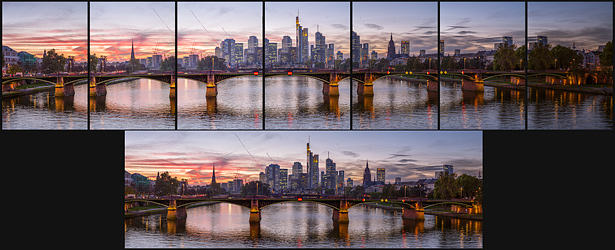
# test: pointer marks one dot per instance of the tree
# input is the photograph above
(520, 55)
(445, 187)
(166, 185)
(357, 191)
(469, 185)
(205, 63)
(14, 69)
(93, 63)
(250, 188)
(539, 57)
(563, 57)
(388, 191)
(168, 64)
(504, 58)
(52, 62)
(134, 65)
(606, 57)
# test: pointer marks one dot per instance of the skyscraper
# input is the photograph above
(441, 47)
(380, 174)
(312, 168)
(320, 47)
(356, 47)
(405, 47)
(367, 175)
(302, 41)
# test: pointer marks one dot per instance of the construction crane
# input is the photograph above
(192, 51)
(156, 49)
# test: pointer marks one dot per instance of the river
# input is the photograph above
(297, 225)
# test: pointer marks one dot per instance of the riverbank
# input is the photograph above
(161, 210)
(590, 89)
(437, 212)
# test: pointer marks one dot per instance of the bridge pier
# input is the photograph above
(97, 89)
(175, 213)
(473, 85)
(341, 216)
(334, 85)
(63, 90)
(432, 85)
(173, 91)
(255, 214)
(418, 213)
(212, 88)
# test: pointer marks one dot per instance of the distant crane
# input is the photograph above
(156, 49)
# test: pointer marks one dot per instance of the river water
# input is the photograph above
(297, 102)
(238, 105)
(44, 111)
(495, 108)
(396, 104)
(298, 225)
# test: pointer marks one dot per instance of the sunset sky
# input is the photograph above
(206, 24)
(35, 27)
(38, 26)
(114, 24)
(409, 155)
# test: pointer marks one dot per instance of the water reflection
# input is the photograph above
(45, 111)
(396, 104)
(238, 104)
(300, 225)
(297, 102)
(136, 104)
(495, 108)
(556, 109)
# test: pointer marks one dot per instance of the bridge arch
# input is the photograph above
(298, 75)
(147, 201)
(203, 78)
(306, 200)
(109, 79)
(448, 202)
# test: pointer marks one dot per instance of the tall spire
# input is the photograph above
(213, 176)
(132, 52)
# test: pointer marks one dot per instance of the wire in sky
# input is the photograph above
(163, 21)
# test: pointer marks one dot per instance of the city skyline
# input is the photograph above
(114, 25)
(408, 155)
(420, 28)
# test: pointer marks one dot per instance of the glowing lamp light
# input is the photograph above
(363, 199)
(403, 200)
(290, 73)
(445, 72)
(386, 200)
(440, 72)
(256, 73)
(388, 72)
(406, 72)
(428, 72)
(462, 72)
(299, 199)
(381, 200)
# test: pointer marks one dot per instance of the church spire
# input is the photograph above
(213, 176)
(132, 52)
